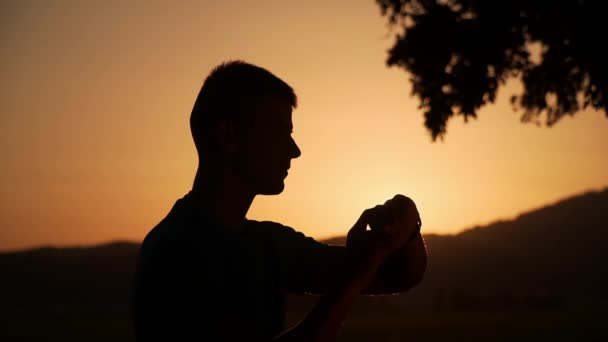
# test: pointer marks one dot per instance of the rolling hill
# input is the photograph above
(551, 258)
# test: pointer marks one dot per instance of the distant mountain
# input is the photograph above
(552, 257)
(63, 279)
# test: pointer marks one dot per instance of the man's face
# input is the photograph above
(266, 146)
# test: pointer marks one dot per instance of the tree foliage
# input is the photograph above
(459, 52)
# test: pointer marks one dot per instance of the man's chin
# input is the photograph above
(273, 189)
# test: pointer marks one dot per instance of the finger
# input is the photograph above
(368, 217)
(401, 200)
(409, 222)
(361, 224)
(391, 216)
(377, 217)
(398, 205)
(410, 207)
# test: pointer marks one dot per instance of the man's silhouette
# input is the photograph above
(205, 272)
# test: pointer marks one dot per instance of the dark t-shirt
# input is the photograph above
(194, 280)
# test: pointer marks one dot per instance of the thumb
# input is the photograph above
(361, 224)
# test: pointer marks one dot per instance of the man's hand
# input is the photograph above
(392, 225)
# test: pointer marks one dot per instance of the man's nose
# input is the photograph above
(295, 150)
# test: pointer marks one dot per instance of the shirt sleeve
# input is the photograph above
(299, 258)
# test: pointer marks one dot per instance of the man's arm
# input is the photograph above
(395, 246)
(397, 224)
(401, 271)
(323, 322)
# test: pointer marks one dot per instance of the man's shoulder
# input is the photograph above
(169, 235)
(161, 236)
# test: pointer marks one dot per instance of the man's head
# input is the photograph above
(241, 125)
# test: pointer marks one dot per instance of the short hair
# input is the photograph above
(227, 92)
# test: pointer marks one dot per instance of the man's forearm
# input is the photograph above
(324, 321)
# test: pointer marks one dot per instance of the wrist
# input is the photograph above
(361, 268)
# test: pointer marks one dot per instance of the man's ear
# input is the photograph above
(225, 135)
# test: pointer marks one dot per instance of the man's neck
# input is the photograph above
(222, 199)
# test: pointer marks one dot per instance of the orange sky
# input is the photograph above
(96, 95)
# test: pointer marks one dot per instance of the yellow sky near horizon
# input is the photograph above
(95, 100)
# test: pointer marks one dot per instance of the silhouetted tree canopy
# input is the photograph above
(458, 53)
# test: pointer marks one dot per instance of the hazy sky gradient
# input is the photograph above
(96, 95)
